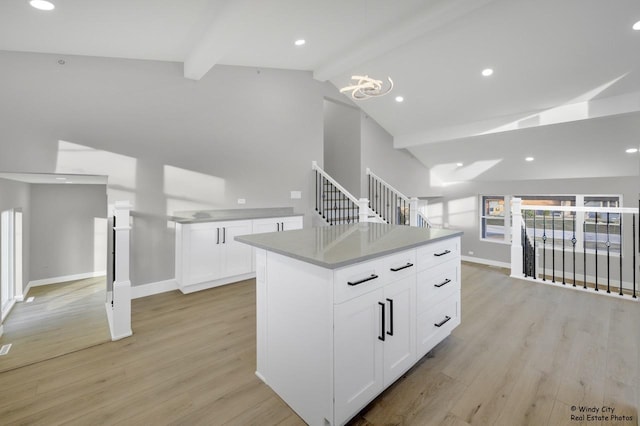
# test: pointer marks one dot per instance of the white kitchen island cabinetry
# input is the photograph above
(340, 311)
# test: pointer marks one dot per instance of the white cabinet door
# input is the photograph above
(201, 253)
(236, 257)
(358, 349)
(400, 341)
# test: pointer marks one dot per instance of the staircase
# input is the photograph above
(393, 206)
(335, 205)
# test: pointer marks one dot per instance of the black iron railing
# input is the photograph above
(607, 264)
(387, 202)
(332, 203)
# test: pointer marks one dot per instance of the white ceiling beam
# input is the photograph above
(396, 35)
(216, 41)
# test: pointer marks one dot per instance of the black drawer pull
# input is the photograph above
(408, 265)
(442, 254)
(447, 281)
(390, 332)
(364, 280)
(441, 323)
(381, 336)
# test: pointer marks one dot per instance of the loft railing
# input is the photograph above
(422, 221)
(587, 248)
(387, 202)
(334, 203)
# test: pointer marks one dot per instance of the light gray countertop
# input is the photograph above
(232, 214)
(337, 246)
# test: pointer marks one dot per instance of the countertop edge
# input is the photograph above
(347, 262)
(230, 219)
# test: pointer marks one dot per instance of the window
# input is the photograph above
(493, 218)
(602, 228)
(556, 227)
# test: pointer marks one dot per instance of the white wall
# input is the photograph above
(342, 145)
(68, 230)
(398, 167)
(166, 143)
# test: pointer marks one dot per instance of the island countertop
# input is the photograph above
(333, 247)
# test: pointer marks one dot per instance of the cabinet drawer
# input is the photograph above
(437, 283)
(437, 253)
(400, 265)
(358, 279)
(437, 323)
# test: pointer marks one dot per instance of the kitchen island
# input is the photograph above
(344, 311)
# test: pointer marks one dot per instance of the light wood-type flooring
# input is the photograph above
(62, 318)
(525, 353)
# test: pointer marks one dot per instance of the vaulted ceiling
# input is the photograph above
(556, 63)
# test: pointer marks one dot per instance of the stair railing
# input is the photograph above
(332, 201)
(387, 202)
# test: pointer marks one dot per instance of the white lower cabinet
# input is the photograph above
(207, 254)
(374, 338)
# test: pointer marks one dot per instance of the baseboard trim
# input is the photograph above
(64, 278)
(150, 289)
(487, 262)
(12, 303)
(215, 283)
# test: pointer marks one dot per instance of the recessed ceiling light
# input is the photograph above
(528, 159)
(459, 164)
(300, 42)
(631, 150)
(487, 72)
(399, 99)
(636, 26)
(42, 4)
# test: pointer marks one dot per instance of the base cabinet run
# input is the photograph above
(330, 341)
(207, 254)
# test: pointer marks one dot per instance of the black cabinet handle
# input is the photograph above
(381, 336)
(282, 226)
(364, 280)
(447, 281)
(390, 332)
(408, 265)
(278, 227)
(442, 254)
(217, 235)
(441, 323)
(224, 235)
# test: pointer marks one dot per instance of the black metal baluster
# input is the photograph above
(584, 252)
(633, 235)
(563, 268)
(523, 236)
(608, 253)
(573, 242)
(544, 245)
(535, 258)
(596, 252)
(553, 247)
(316, 190)
(620, 250)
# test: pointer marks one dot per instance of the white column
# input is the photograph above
(363, 210)
(120, 315)
(516, 238)
(413, 215)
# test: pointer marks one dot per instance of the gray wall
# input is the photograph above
(166, 143)
(14, 195)
(342, 145)
(68, 230)
(459, 205)
(399, 168)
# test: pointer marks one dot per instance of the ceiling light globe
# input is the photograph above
(42, 4)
